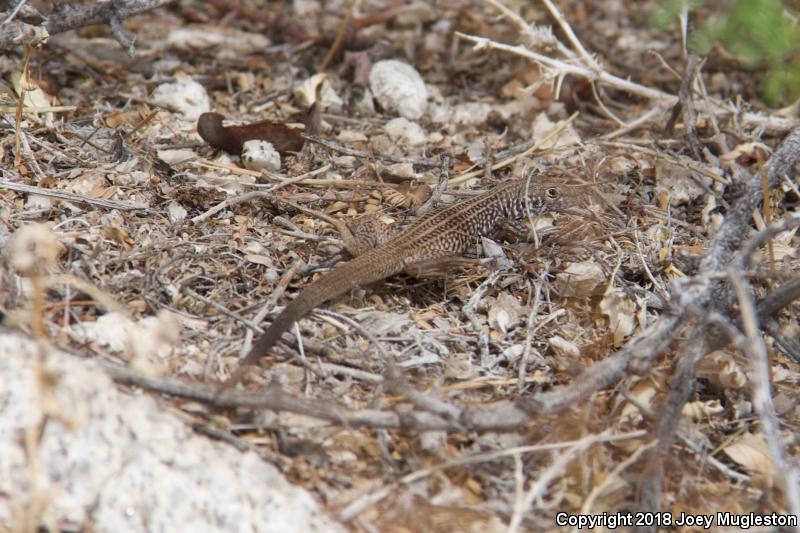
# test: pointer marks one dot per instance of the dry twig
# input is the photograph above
(70, 17)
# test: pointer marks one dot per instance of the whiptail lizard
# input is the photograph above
(440, 235)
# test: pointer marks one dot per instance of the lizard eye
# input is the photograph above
(551, 193)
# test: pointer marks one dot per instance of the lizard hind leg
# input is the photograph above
(366, 233)
(439, 267)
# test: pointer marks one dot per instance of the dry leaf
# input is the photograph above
(543, 126)
(117, 233)
(752, 453)
(621, 313)
(115, 120)
(563, 347)
(722, 370)
(580, 280)
(679, 183)
(701, 410)
(35, 97)
(504, 312)
(752, 150)
(232, 138)
(644, 392)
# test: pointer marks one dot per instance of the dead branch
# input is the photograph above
(762, 390)
(498, 417)
(700, 291)
(563, 68)
(714, 333)
(67, 17)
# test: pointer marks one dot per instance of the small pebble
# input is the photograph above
(188, 96)
(176, 212)
(397, 86)
(260, 155)
(404, 130)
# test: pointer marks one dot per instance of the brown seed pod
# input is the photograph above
(231, 138)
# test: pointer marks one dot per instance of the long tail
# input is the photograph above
(298, 308)
(354, 273)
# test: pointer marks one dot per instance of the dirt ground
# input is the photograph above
(627, 354)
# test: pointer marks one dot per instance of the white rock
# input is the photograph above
(176, 212)
(476, 150)
(107, 460)
(260, 155)
(435, 137)
(468, 114)
(174, 157)
(404, 130)
(403, 170)
(398, 87)
(35, 202)
(471, 113)
(188, 96)
(351, 136)
(318, 85)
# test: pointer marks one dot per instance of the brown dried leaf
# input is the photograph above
(722, 371)
(580, 279)
(504, 312)
(621, 313)
(701, 410)
(118, 234)
(644, 392)
(752, 453)
(115, 120)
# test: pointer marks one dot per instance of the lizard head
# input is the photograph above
(542, 196)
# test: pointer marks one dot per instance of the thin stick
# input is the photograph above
(432, 163)
(668, 100)
(469, 311)
(98, 295)
(69, 197)
(37, 110)
(337, 42)
(230, 202)
(573, 39)
(613, 477)
(544, 478)
(762, 393)
(13, 12)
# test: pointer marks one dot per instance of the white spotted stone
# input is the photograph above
(260, 155)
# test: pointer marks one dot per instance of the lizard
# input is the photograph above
(437, 236)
